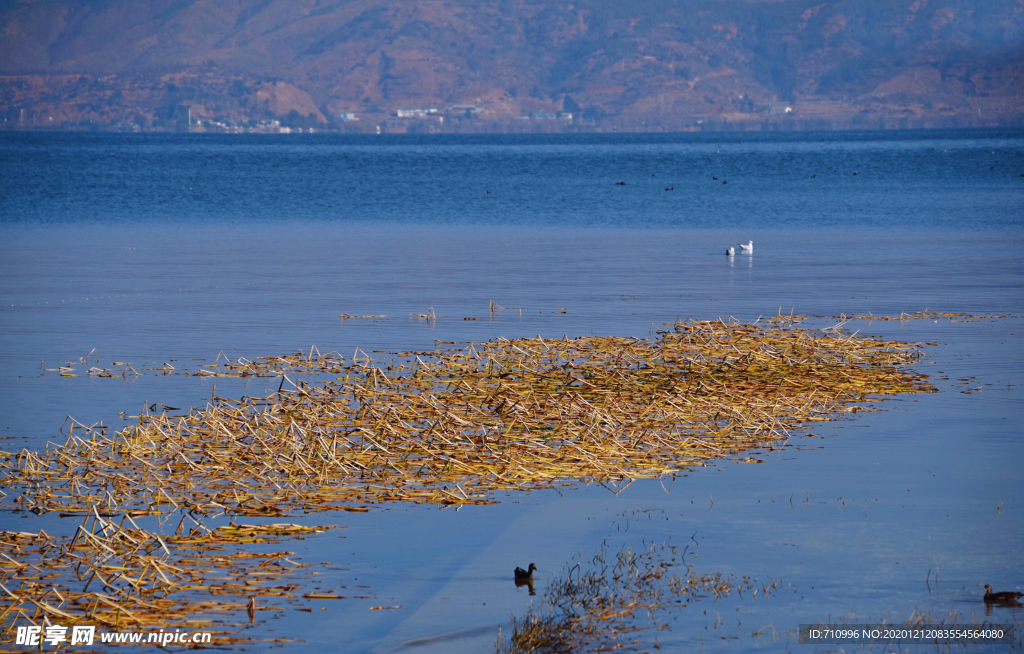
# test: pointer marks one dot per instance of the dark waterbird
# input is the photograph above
(524, 575)
(1004, 597)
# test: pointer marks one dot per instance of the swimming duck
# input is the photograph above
(1004, 597)
(747, 248)
(730, 252)
(523, 575)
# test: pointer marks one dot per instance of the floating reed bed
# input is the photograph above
(334, 362)
(118, 575)
(453, 426)
(620, 595)
(928, 314)
(301, 362)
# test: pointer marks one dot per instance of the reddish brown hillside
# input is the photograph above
(656, 64)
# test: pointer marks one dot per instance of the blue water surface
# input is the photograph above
(916, 180)
(150, 248)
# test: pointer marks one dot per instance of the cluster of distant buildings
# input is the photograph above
(208, 125)
(259, 127)
(467, 111)
(456, 110)
(548, 115)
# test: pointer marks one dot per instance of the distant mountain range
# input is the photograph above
(511, 65)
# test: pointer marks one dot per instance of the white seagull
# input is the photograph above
(730, 252)
(747, 248)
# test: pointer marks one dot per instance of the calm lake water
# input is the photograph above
(150, 248)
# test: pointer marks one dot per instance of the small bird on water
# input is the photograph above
(523, 575)
(1005, 597)
(747, 248)
(730, 252)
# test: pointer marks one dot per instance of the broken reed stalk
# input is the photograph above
(453, 426)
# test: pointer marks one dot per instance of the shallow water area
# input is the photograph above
(911, 506)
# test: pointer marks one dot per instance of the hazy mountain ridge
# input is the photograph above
(649, 63)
